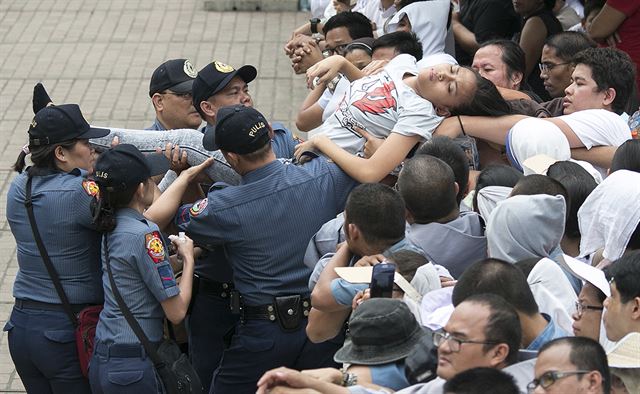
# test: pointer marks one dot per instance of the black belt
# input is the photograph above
(44, 306)
(268, 311)
(122, 351)
(220, 289)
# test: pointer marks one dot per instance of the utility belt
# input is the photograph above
(45, 306)
(210, 287)
(289, 311)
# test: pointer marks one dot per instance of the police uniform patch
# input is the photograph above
(155, 247)
(198, 207)
(166, 276)
(223, 68)
(90, 187)
(189, 69)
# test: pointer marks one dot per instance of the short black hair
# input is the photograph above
(568, 43)
(578, 184)
(625, 272)
(587, 355)
(611, 68)
(407, 262)
(512, 55)
(379, 213)
(627, 156)
(495, 175)
(358, 25)
(427, 185)
(495, 276)
(503, 325)
(481, 380)
(447, 150)
(402, 42)
(539, 184)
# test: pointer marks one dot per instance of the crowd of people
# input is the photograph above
(462, 215)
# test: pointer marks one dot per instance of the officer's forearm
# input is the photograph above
(175, 308)
(164, 208)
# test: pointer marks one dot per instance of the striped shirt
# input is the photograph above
(266, 222)
(141, 270)
(61, 206)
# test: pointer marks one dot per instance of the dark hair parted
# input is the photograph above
(481, 380)
(586, 355)
(43, 157)
(379, 213)
(485, 101)
(578, 184)
(447, 150)
(427, 186)
(611, 68)
(512, 55)
(625, 272)
(402, 42)
(495, 175)
(494, 276)
(357, 24)
(567, 43)
(503, 325)
(627, 156)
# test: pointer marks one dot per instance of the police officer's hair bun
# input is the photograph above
(102, 213)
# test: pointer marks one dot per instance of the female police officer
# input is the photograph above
(41, 335)
(139, 263)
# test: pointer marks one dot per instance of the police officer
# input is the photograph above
(41, 335)
(264, 225)
(143, 276)
(170, 92)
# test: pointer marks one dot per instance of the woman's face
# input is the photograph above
(81, 156)
(588, 324)
(488, 62)
(527, 7)
(447, 86)
(358, 57)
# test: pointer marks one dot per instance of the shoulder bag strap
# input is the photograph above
(28, 203)
(126, 312)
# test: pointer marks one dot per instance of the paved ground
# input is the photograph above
(100, 54)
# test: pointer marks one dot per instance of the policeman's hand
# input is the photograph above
(374, 67)
(372, 144)
(183, 246)
(193, 173)
(115, 141)
(177, 159)
(325, 70)
(370, 261)
(330, 375)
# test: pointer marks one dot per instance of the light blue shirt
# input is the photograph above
(551, 331)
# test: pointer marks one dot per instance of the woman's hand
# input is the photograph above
(372, 144)
(325, 70)
(193, 172)
(184, 247)
(375, 67)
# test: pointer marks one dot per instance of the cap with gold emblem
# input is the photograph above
(176, 75)
(216, 76)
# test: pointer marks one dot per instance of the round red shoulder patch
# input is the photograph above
(90, 187)
(198, 207)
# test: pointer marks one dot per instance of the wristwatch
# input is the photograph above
(314, 25)
(349, 379)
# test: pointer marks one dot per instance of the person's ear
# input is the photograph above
(499, 354)
(635, 308)
(594, 379)
(442, 111)
(141, 189)
(409, 216)
(457, 187)
(516, 79)
(609, 96)
(157, 101)
(208, 108)
(231, 158)
(354, 232)
(59, 154)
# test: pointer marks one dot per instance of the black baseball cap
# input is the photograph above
(216, 76)
(240, 129)
(60, 123)
(124, 166)
(176, 75)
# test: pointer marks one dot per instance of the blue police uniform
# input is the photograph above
(157, 126)
(144, 277)
(41, 336)
(209, 336)
(264, 225)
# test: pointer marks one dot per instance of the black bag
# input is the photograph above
(173, 367)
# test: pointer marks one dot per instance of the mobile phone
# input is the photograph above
(382, 280)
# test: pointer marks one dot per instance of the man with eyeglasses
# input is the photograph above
(571, 365)
(170, 92)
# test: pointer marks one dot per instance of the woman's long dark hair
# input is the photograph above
(105, 204)
(486, 100)
(43, 157)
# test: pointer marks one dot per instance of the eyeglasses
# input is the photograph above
(184, 96)
(581, 308)
(546, 67)
(440, 337)
(338, 50)
(550, 377)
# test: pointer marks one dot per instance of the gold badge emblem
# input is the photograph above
(223, 68)
(34, 123)
(189, 69)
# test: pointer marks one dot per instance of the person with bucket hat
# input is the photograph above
(41, 334)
